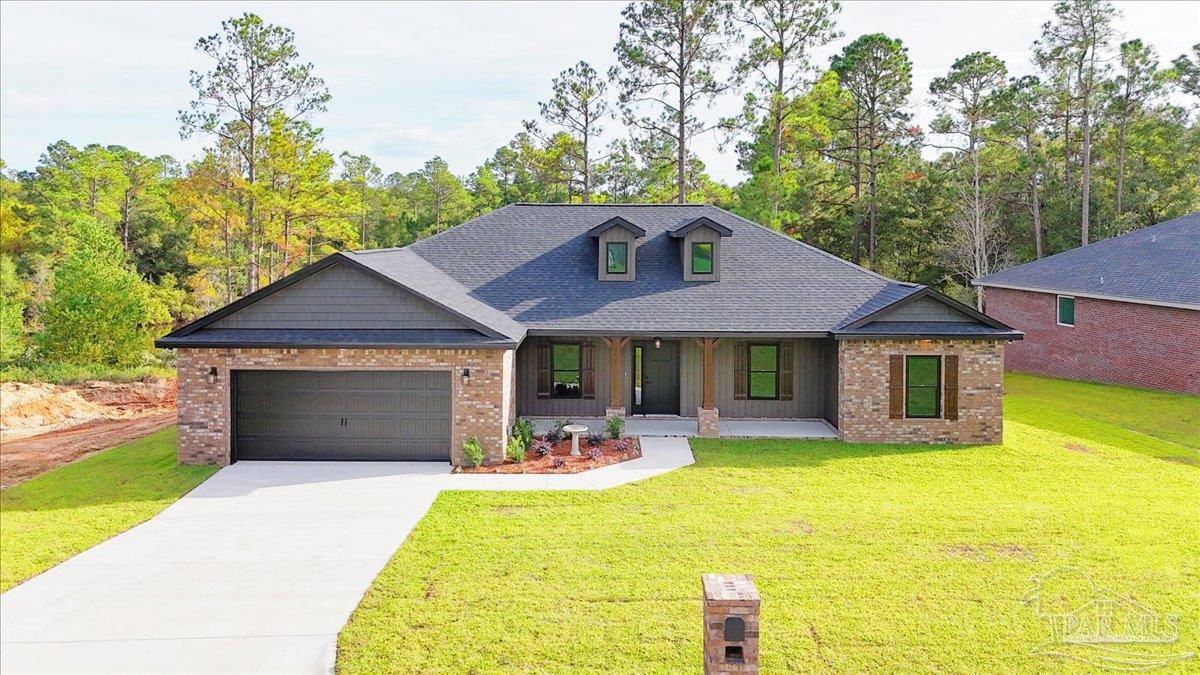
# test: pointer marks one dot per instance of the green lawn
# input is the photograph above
(52, 517)
(869, 557)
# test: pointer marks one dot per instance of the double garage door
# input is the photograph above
(341, 415)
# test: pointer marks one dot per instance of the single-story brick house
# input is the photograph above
(579, 311)
(1124, 310)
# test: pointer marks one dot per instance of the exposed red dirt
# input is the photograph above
(560, 455)
(45, 426)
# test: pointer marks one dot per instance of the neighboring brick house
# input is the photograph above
(1124, 310)
(579, 311)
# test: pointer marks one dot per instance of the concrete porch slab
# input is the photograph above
(686, 426)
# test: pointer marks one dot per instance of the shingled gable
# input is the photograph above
(406, 303)
(683, 230)
(914, 311)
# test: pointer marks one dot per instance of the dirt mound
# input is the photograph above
(33, 409)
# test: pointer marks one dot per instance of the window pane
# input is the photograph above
(1066, 311)
(637, 375)
(566, 357)
(618, 256)
(702, 258)
(763, 357)
(762, 385)
(922, 402)
(923, 371)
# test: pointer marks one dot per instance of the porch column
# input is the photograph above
(615, 376)
(708, 414)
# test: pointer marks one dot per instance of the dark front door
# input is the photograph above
(655, 378)
(345, 415)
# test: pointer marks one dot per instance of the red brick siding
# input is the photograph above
(1119, 342)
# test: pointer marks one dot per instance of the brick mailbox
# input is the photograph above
(730, 623)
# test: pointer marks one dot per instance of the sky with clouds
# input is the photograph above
(413, 80)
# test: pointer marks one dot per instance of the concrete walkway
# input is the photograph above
(254, 571)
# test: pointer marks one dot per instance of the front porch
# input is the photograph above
(687, 426)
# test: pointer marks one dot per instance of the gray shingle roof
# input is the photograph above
(1156, 264)
(950, 329)
(537, 264)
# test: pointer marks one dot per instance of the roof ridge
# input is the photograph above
(609, 204)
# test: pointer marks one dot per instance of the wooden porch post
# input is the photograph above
(615, 379)
(707, 415)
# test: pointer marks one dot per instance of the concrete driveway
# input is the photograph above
(256, 570)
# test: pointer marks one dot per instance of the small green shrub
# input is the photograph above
(473, 451)
(516, 449)
(523, 429)
(615, 424)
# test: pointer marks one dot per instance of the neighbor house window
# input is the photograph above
(1066, 310)
(763, 372)
(702, 257)
(617, 257)
(922, 386)
(567, 380)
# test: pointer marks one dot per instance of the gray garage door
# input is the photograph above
(344, 415)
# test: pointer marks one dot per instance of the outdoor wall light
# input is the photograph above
(466, 375)
(657, 342)
(212, 375)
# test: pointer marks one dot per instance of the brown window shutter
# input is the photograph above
(950, 384)
(786, 369)
(896, 386)
(587, 370)
(741, 370)
(545, 378)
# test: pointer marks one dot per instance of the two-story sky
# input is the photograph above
(410, 80)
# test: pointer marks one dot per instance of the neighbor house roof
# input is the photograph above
(532, 268)
(1156, 265)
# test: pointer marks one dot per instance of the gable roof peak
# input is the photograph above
(702, 221)
(616, 221)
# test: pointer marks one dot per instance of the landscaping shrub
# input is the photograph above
(615, 424)
(516, 449)
(543, 448)
(473, 451)
(523, 429)
(595, 438)
(553, 436)
(621, 446)
(559, 461)
(595, 453)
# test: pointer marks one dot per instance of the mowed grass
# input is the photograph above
(868, 557)
(52, 517)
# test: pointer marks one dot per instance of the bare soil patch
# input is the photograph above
(1080, 448)
(44, 426)
(560, 460)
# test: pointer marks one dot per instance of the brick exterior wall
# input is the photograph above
(483, 407)
(1119, 342)
(863, 378)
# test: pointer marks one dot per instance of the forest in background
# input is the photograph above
(103, 248)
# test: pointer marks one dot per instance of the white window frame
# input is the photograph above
(1058, 310)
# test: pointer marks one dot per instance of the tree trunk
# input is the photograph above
(1121, 140)
(777, 112)
(1086, 192)
(587, 160)
(1035, 206)
(681, 114)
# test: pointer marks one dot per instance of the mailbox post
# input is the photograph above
(731, 604)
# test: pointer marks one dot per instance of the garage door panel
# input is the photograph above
(298, 415)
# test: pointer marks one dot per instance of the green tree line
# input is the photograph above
(102, 246)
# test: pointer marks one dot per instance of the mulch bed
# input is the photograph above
(535, 463)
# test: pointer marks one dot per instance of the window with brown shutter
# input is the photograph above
(545, 377)
(741, 368)
(896, 386)
(950, 383)
(786, 370)
(587, 369)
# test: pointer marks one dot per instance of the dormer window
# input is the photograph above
(700, 245)
(616, 257)
(616, 248)
(702, 257)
